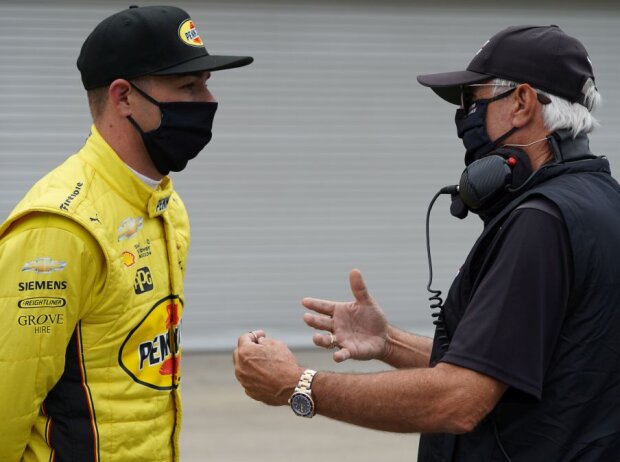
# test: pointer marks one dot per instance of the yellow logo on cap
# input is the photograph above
(189, 34)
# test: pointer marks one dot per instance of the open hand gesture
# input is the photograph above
(358, 328)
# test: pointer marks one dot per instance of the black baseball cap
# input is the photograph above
(149, 40)
(542, 56)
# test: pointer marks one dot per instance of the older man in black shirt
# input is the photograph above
(525, 364)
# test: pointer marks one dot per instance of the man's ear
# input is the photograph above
(526, 105)
(119, 96)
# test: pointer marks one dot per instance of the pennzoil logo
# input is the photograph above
(44, 265)
(189, 34)
(130, 227)
(151, 353)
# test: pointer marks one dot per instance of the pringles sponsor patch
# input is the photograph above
(151, 353)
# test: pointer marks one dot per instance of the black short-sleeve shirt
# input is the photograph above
(512, 323)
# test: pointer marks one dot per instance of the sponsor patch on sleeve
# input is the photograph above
(44, 265)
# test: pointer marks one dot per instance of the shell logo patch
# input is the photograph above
(189, 34)
(129, 227)
(151, 353)
(128, 258)
(44, 265)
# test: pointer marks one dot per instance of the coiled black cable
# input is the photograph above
(441, 333)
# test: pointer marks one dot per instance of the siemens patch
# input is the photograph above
(41, 285)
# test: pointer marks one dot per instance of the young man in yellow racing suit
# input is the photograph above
(93, 257)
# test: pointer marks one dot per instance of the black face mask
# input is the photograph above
(472, 129)
(185, 129)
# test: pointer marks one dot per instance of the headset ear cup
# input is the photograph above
(521, 166)
(483, 181)
(458, 208)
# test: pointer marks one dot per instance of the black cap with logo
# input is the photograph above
(150, 40)
(543, 56)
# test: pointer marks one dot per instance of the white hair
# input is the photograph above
(561, 113)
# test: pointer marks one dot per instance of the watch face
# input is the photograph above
(302, 405)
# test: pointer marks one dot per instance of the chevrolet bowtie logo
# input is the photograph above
(44, 265)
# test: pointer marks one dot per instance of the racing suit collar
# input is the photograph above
(100, 155)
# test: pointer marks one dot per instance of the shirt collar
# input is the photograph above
(106, 162)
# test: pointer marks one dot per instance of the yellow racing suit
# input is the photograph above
(92, 263)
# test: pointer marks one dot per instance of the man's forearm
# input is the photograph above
(406, 350)
(440, 399)
(444, 398)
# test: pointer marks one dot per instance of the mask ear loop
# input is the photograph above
(145, 95)
(497, 142)
(135, 124)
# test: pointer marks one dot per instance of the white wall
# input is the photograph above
(326, 150)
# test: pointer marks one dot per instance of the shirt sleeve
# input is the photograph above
(51, 268)
(512, 323)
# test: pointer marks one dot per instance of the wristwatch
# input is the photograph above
(301, 400)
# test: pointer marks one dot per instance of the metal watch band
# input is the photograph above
(305, 381)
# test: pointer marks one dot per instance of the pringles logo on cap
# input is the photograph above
(189, 34)
(151, 353)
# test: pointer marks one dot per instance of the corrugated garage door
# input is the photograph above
(326, 151)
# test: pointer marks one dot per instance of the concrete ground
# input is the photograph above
(222, 424)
